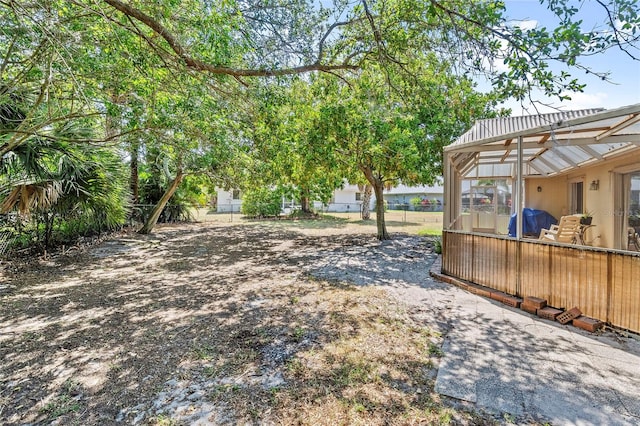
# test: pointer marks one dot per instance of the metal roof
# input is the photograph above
(551, 143)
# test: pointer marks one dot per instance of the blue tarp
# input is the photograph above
(532, 222)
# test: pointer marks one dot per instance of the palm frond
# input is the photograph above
(29, 196)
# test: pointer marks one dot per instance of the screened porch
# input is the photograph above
(546, 167)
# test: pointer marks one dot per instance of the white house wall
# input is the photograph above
(344, 200)
(226, 203)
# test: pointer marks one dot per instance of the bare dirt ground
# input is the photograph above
(257, 323)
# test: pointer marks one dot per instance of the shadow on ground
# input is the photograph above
(219, 324)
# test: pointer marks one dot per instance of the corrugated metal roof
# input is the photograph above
(550, 143)
(492, 127)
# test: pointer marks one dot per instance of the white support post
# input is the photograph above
(519, 191)
(519, 218)
(447, 201)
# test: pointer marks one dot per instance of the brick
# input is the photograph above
(549, 313)
(535, 301)
(505, 298)
(586, 323)
(463, 285)
(567, 316)
(498, 295)
(512, 301)
(483, 291)
(471, 287)
(532, 309)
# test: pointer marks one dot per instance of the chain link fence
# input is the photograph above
(351, 211)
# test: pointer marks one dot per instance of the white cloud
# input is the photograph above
(627, 32)
(587, 100)
(526, 24)
(578, 101)
(498, 64)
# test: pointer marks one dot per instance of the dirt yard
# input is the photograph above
(255, 323)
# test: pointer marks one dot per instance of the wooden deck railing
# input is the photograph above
(603, 284)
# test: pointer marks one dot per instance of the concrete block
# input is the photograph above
(586, 323)
(535, 301)
(549, 313)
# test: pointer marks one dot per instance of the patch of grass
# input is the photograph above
(245, 356)
(163, 420)
(437, 245)
(435, 237)
(374, 369)
(220, 390)
(274, 393)
(354, 371)
(435, 350)
(204, 352)
(358, 407)
(210, 371)
(60, 406)
(30, 336)
(298, 334)
(296, 367)
(64, 403)
(445, 417)
(431, 231)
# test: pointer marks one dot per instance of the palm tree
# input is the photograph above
(46, 180)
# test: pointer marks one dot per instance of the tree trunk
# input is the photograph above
(157, 210)
(366, 202)
(378, 186)
(48, 228)
(305, 202)
(133, 168)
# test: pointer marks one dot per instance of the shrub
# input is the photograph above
(261, 202)
(437, 245)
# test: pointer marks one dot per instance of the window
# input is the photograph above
(235, 194)
(576, 202)
(358, 196)
(632, 204)
(627, 208)
(634, 194)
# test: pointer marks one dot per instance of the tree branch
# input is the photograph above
(615, 31)
(198, 65)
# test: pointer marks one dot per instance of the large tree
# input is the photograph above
(274, 37)
(194, 135)
(393, 136)
(281, 123)
(81, 61)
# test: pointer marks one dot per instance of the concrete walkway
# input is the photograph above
(503, 360)
(521, 367)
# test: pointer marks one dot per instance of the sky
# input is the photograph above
(624, 88)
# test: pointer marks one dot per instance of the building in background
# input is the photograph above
(349, 199)
(404, 197)
(228, 200)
